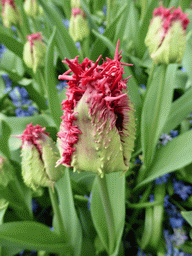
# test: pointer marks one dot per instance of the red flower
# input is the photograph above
(98, 115)
(166, 37)
(39, 155)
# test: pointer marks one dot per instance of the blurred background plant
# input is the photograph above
(158, 188)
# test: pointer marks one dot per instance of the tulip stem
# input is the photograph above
(57, 212)
(108, 212)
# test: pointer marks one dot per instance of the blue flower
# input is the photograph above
(179, 237)
(162, 179)
(101, 30)
(151, 198)
(77, 44)
(105, 9)
(8, 83)
(2, 49)
(176, 222)
(174, 133)
(184, 191)
(66, 23)
(61, 85)
(165, 138)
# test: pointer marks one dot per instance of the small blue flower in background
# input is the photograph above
(171, 250)
(164, 139)
(2, 49)
(61, 85)
(8, 83)
(175, 218)
(179, 237)
(77, 44)
(184, 191)
(151, 198)
(162, 179)
(105, 9)
(183, 69)
(66, 23)
(174, 133)
(101, 30)
(20, 98)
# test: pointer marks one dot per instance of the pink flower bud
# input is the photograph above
(34, 51)
(166, 37)
(98, 128)
(39, 155)
(10, 13)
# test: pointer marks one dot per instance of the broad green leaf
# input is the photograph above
(174, 3)
(50, 81)
(156, 109)
(33, 93)
(10, 42)
(180, 109)
(116, 191)
(171, 157)
(3, 207)
(184, 4)
(33, 236)
(186, 62)
(148, 228)
(187, 215)
(69, 215)
(99, 46)
(5, 132)
(65, 43)
(13, 64)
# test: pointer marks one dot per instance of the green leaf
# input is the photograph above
(99, 46)
(171, 157)
(148, 228)
(187, 215)
(116, 190)
(65, 43)
(33, 236)
(50, 81)
(180, 109)
(3, 207)
(188, 55)
(10, 42)
(69, 215)
(5, 132)
(156, 109)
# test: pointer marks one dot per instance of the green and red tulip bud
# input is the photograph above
(98, 128)
(32, 8)
(39, 156)
(78, 27)
(10, 13)
(166, 37)
(34, 51)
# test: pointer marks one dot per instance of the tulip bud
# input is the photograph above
(78, 27)
(39, 155)
(6, 172)
(34, 51)
(10, 13)
(98, 128)
(32, 8)
(166, 37)
(75, 4)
